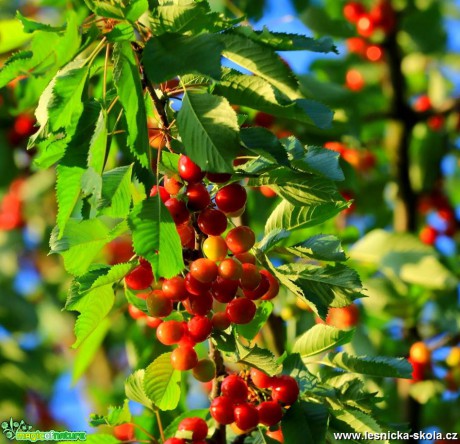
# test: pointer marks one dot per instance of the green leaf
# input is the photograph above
(155, 237)
(425, 391)
(281, 41)
(11, 36)
(116, 192)
(170, 55)
(359, 421)
(305, 422)
(322, 247)
(265, 144)
(128, 83)
(270, 240)
(103, 276)
(135, 9)
(209, 129)
(260, 60)
(324, 287)
(115, 416)
(93, 308)
(162, 383)
(262, 438)
(256, 93)
(290, 217)
(171, 430)
(98, 143)
(134, 389)
(374, 366)
(30, 26)
(250, 330)
(259, 358)
(80, 243)
(320, 338)
(169, 163)
(121, 32)
(88, 349)
(105, 9)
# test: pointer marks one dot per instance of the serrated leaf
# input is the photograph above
(170, 55)
(134, 389)
(103, 276)
(358, 421)
(259, 358)
(32, 25)
(375, 366)
(88, 349)
(169, 163)
(12, 35)
(79, 244)
(270, 240)
(295, 367)
(115, 416)
(258, 93)
(260, 60)
(265, 144)
(328, 286)
(171, 430)
(93, 307)
(281, 41)
(135, 8)
(128, 83)
(290, 217)
(209, 130)
(320, 338)
(155, 237)
(323, 247)
(305, 422)
(250, 330)
(162, 383)
(121, 32)
(116, 192)
(105, 9)
(225, 342)
(98, 142)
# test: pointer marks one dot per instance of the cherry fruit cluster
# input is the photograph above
(258, 399)
(222, 282)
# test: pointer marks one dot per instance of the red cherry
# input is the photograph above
(194, 286)
(260, 290)
(266, 191)
(231, 198)
(240, 239)
(428, 235)
(152, 322)
(172, 185)
(285, 390)
(184, 358)
(220, 320)
(241, 311)
(124, 432)
(199, 328)
(246, 416)
(170, 332)
(356, 45)
(135, 312)
(174, 288)
(250, 277)
(245, 258)
(212, 222)
(222, 410)
(178, 210)
(24, 125)
(270, 413)
(274, 286)
(235, 388)
(187, 235)
(260, 379)
(174, 441)
(218, 177)
(189, 170)
(230, 269)
(354, 80)
(198, 197)
(365, 25)
(199, 305)
(352, 11)
(197, 426)
(158, 304)
(263, 119)
(164, 195)
(224, 290)
(204, 270)
(140, 278)
(276, 434)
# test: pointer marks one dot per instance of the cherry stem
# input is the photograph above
(160, 424)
